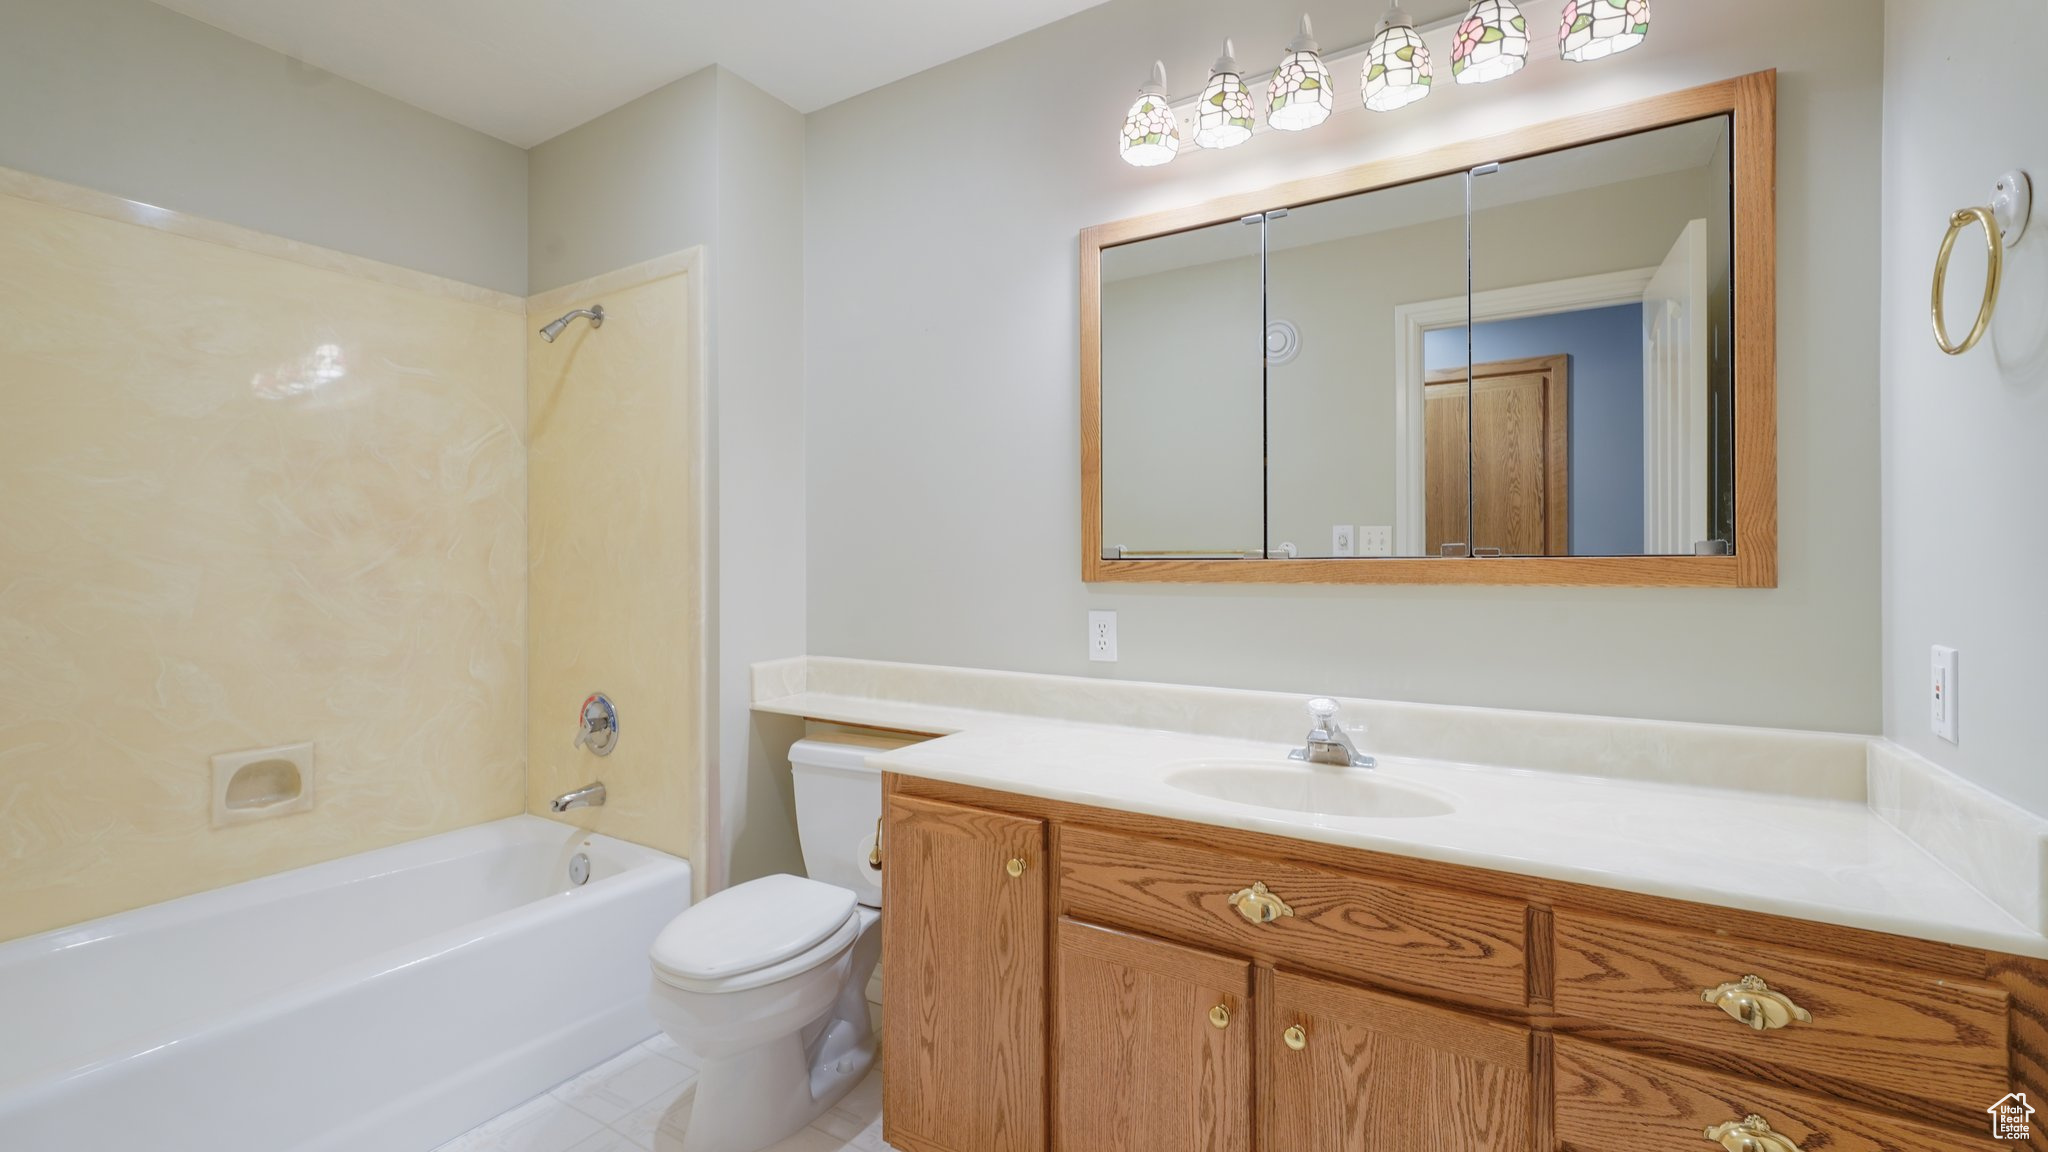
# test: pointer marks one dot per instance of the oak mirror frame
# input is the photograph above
(1748, 104)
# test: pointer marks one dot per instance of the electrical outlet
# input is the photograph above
(1941, 696)
(1342, 542)
(1375, 540)
(1102, 637)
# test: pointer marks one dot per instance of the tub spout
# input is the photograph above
(588, 796)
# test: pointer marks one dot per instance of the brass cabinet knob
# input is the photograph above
(1220, 1015)
(1750, 1134)
(1296, 1037)
(1752, 1002)
(1015, 867)
(1258, 905)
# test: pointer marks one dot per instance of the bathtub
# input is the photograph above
(386, 1001)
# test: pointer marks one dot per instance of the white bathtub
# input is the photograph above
(386, 1001)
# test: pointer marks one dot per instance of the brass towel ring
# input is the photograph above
(1994, 271)
(2003, 223)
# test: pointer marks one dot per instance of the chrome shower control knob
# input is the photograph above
(597, 725)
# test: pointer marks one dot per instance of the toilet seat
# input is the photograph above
(755, 934)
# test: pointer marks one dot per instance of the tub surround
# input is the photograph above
(251, 493)
(615, 499)
(1837, 829)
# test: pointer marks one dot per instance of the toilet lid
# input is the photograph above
(751, 926)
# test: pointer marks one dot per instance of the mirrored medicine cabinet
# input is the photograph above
(1541, 358)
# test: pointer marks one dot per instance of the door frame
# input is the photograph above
(1411, 321)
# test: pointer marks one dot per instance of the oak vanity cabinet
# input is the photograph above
(963, 977)
(1065, 979)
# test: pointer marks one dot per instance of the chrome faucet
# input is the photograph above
(1327, 742)
(588, 796)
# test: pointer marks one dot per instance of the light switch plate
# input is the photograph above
(1342, 540)
(1941, 694)
(1102, 637)
(1375, 540)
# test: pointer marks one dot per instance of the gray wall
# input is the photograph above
(130, 98)
(712, 160)
(1964, 470)
(943, 463)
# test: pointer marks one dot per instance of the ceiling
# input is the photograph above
(527, 70)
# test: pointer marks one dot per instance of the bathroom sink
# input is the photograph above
(1315, 790)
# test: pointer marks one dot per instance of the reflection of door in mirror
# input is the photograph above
(1520, 416)
(1619, 255)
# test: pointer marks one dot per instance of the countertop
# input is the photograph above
(1827, 859)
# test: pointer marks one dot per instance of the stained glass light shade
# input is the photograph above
(1223, 118)
(1596, 28)
(1151, 132)
(1398, 71)
(1491, 42)
(1299, 96)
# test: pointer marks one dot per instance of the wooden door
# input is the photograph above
(963, 974)
(1155, 1046)
(1375, 1073)
(1520, 456)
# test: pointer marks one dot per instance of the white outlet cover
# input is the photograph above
(1942, 697)
(1102, 637)
(261, 783)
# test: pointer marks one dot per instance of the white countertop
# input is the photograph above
(1832, 860)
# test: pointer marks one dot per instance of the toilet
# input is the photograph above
(765, 983)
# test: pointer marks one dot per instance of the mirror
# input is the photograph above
(1602, 399)
(1182, 395)
(1341, 457)
(1516, 360)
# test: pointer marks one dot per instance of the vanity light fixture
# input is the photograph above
(1299, 96)
(1151, 133)
(1491, 43)
(1397, 66)
(1592, 29)
(1223, 118)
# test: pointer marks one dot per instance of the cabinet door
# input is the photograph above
(963, 971)
(1366, 1072)
(1155, 1046)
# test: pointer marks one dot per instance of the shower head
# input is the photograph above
(554, 329)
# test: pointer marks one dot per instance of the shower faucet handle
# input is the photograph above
(597, 725)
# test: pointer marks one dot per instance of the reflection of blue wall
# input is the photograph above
(1606, 347)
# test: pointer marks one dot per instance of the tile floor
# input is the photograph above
(639, 1101)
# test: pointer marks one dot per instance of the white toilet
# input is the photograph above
(765, 983)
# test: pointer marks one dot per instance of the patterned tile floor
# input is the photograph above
(640, 1101)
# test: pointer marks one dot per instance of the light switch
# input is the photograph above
(1375, 540)
(1942, 694)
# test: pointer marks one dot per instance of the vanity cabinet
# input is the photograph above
(1359, 1070)
(964, 968)
(1155, 1045)
(1064, 978)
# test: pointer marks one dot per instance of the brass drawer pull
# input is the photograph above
(1750, 1134)
(1296, 1037)
(1258, 905)
(1752, 1002)
(1015, 867)
(1220, 1016)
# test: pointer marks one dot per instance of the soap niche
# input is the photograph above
(262, 783)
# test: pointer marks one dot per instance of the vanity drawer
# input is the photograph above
(1609, 1101)
(1936, 1038)
(1472, 947)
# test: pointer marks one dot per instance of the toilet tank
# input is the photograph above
(838, 804)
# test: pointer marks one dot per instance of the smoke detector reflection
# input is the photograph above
(302, 377)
